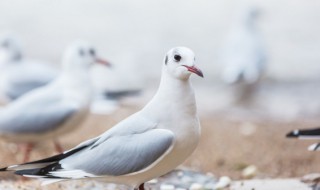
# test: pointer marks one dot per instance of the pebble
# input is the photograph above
(223, 182)
(311, 178)
(167, 187)
(153, 181)
(247, 129)
(196, 186)
(249, 172)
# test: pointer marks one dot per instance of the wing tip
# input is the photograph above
(314, 147)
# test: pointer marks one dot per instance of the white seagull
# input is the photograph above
(244, 56)
(146, 145)
(17, 74)
(55, 109)
(312, 134)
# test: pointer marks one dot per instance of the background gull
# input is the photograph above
(19, 75)
(110, 88)
(244, 56)
(55, 109)
(312, 134)
(146, 145)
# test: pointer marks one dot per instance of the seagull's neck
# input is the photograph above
(173, 86)
(173, 92)
(76, 77)
(77, 80)
(75, 85)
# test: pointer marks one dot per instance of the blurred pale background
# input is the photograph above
(135, 35)
(140, 32)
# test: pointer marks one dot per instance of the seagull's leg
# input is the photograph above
(57, 146)
(141, 187)
(27, 151)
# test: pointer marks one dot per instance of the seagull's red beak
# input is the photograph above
(195, 70)
(103, 62)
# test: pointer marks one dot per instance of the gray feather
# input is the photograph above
(24, 77)
(35, 115)
(110, 157)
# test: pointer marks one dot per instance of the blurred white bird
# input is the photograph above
(312, 134)
(17, 74)
(110, 89)
(244, 56)
(55, 109)
(146, 145)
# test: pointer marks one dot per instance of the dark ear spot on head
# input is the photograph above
(166, 61)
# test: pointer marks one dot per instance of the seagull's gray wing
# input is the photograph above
(131, 146)
(26, 77)
(120, 155)
(35, 115)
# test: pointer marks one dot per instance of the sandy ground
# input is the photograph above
(228, 145)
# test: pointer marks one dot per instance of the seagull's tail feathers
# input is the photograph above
(305, 133)
(43, 174)
(41, 163)
(48, 167)
(116, 95)
(314, 147)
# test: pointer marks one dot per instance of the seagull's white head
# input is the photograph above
(180, 63)
(81, 55)
(10, 48)
(250, 15)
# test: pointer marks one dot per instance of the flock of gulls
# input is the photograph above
(45, 103)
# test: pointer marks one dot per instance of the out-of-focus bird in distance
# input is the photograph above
(312, 134)
(107, 102)
(146, 145)
(110, 89)
(244, 55)
(56, 108)
(19, 75)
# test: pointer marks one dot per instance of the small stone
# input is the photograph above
(153, 181)
(180, 174)
(223, 182)
(209, 174)
(311, 178)
(249, 172)
(187, 179)
(247, 129)
(167, 187)
(209, 186)
(196, 186)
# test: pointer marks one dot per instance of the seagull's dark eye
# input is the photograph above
(92, 52)
(81, 52)
(177, 58)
